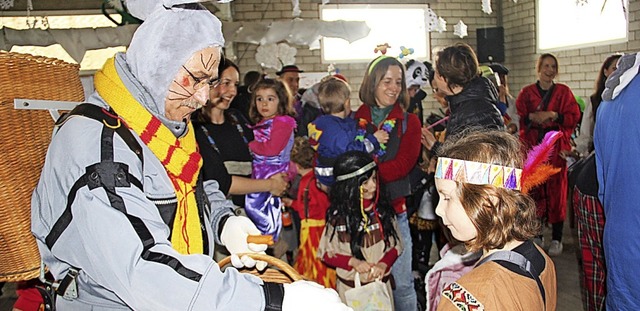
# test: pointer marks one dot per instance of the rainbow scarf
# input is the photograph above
(179, 156)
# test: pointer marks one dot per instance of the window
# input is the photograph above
(93, 59)
(563, 24)
(397, 25)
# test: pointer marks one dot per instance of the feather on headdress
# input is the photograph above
(536, 171)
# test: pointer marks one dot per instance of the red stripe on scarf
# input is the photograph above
(166, 160)
(150, 131)
(191, 167)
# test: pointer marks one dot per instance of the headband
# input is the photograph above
(360, 171)
(376, 61)
(479, 173)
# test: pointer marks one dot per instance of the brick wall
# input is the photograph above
(578, 66)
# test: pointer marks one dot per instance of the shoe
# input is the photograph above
(555, 248)
(539, 241)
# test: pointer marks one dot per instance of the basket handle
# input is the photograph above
(271, 261)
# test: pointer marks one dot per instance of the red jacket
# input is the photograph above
(562, 101)
(408, 152)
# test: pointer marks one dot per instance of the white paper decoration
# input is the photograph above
(275, 56)
(441, 25)
(460, 29)
(296, 8)
(431, 20)
(486, 6)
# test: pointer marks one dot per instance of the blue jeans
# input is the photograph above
(404, 295)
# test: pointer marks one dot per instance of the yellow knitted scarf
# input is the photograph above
(179, 156)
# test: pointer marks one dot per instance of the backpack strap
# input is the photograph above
(522, 262)
(404, 122)
(106, 173)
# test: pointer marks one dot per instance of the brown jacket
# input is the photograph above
(494, 287)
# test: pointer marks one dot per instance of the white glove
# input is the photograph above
(234, 237)
(311, 296)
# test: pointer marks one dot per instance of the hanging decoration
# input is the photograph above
(6, 4)
(332, 70)
(275, 56)
(460, 29)
(441, 25)
(405, 52)
(431, 20)
(33, 21)
(296, 8)
(486, 6)
(382, 48)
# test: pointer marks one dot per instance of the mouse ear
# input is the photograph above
(141, 9)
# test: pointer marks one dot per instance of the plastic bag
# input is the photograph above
(372, 296)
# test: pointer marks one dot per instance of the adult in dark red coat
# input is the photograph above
(548, 106)
(384, 94)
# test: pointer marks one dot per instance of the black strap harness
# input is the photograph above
(109, 175)
(522, 262)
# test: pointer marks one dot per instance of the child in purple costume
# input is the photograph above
(271, 110)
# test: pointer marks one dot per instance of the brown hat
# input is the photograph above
(289, 68)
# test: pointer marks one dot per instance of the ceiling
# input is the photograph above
(66, 7)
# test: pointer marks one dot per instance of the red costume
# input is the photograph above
(312, 215)
(551, 197)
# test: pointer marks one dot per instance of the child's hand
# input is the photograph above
(287, 201)
(377, 271)
(360, 265)
(381, 136)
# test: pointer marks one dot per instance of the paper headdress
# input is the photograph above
(479, 173)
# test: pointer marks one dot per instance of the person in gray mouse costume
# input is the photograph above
(121, 218)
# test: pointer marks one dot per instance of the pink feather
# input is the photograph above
(540, 154)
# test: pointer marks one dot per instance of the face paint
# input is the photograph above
(185, 95)
(185, 81)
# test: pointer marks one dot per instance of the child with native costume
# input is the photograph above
(271, 110)
(334, 133)
(482, 185)
(361, 234)
(311, 204)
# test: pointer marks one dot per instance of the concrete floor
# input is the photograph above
(566, 269)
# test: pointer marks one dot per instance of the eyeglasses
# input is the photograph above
(202, 82)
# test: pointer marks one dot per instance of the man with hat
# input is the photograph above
(290, 75)
(121, 216)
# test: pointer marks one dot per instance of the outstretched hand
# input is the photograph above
(234, 237)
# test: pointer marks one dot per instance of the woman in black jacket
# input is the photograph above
(472, 98)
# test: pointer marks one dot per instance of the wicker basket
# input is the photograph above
(277, 270)
(24, 137)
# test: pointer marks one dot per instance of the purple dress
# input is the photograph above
(273, 140)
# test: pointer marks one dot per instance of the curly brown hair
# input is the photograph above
(499, 215)
(302, 153)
